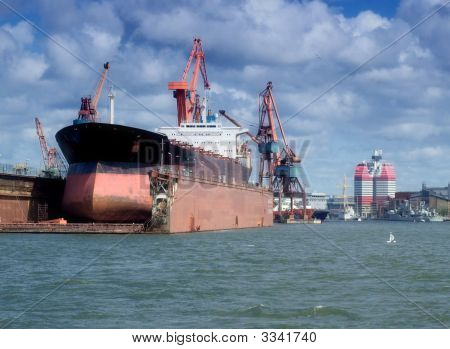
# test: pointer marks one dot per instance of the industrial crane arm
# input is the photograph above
(289, 152)
(185, 92)
(188, 64)
(99, 88)
(234, 122)
(267, 109)
(42, 140)
(51, 157)
(283, 135)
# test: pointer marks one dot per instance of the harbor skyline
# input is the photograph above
(397, 102)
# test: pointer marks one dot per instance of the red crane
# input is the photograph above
(52, 161)
(188, 101)
(88, 109)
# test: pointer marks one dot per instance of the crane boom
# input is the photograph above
(188, 103)
(52, 161)
(267, 109)
(234, 122)
(267, 135)
(272, 111)
(42, 141)
(99, 88)
(88, 109)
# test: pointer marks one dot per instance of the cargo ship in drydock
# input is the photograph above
(190, 177)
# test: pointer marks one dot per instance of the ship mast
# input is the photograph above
(344, 194)
(111, 96)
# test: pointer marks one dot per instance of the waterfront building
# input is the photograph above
(434, 198)
(374, 185)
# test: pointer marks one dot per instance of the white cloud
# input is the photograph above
(410, 131)
(426, 153)
(7, 42)
(402, 72)
(28, 69)
(103, 41)
(365, 22)
(21, 32)
(436, 31)
(434, 92)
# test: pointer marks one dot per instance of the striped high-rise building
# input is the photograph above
(375, 183)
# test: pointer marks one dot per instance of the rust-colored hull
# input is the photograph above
(107, 197)
(109, 180)
(197, 205)
(29, 199)
(201, 205)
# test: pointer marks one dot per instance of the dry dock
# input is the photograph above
(77, 228)
(25, 198)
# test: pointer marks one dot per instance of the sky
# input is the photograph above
(313, 52)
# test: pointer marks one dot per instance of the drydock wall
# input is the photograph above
(29, 199)
(202, 205)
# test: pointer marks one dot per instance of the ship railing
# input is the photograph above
(19, 169)
(169, 170)
(22, 169)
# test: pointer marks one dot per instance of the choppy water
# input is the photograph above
(341, 275)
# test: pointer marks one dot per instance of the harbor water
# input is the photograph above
(333, 275)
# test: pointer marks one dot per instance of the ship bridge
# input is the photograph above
(211, 136)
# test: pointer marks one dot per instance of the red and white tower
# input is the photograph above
(375, 183)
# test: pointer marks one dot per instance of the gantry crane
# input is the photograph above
(281, 163)
(268, 146)
(189, 106)
(278, 167)
(277, 164)
(54, 164)
(88, 109)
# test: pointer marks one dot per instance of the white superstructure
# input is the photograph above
(211, 136)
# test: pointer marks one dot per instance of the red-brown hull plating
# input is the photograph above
(123, 174)
(108, 197)
(199, 205)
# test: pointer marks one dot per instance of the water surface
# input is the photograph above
(334, 275)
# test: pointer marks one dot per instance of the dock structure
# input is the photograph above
(77, 228)
(29, 198)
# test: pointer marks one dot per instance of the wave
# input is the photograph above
(262, 311)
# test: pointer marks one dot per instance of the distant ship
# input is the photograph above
(412, 216)
(314, 208)
(320, 214)
(347, 214)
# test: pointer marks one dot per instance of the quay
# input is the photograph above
(78, 228)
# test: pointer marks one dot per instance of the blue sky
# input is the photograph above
(399, 102)
(351, 8)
